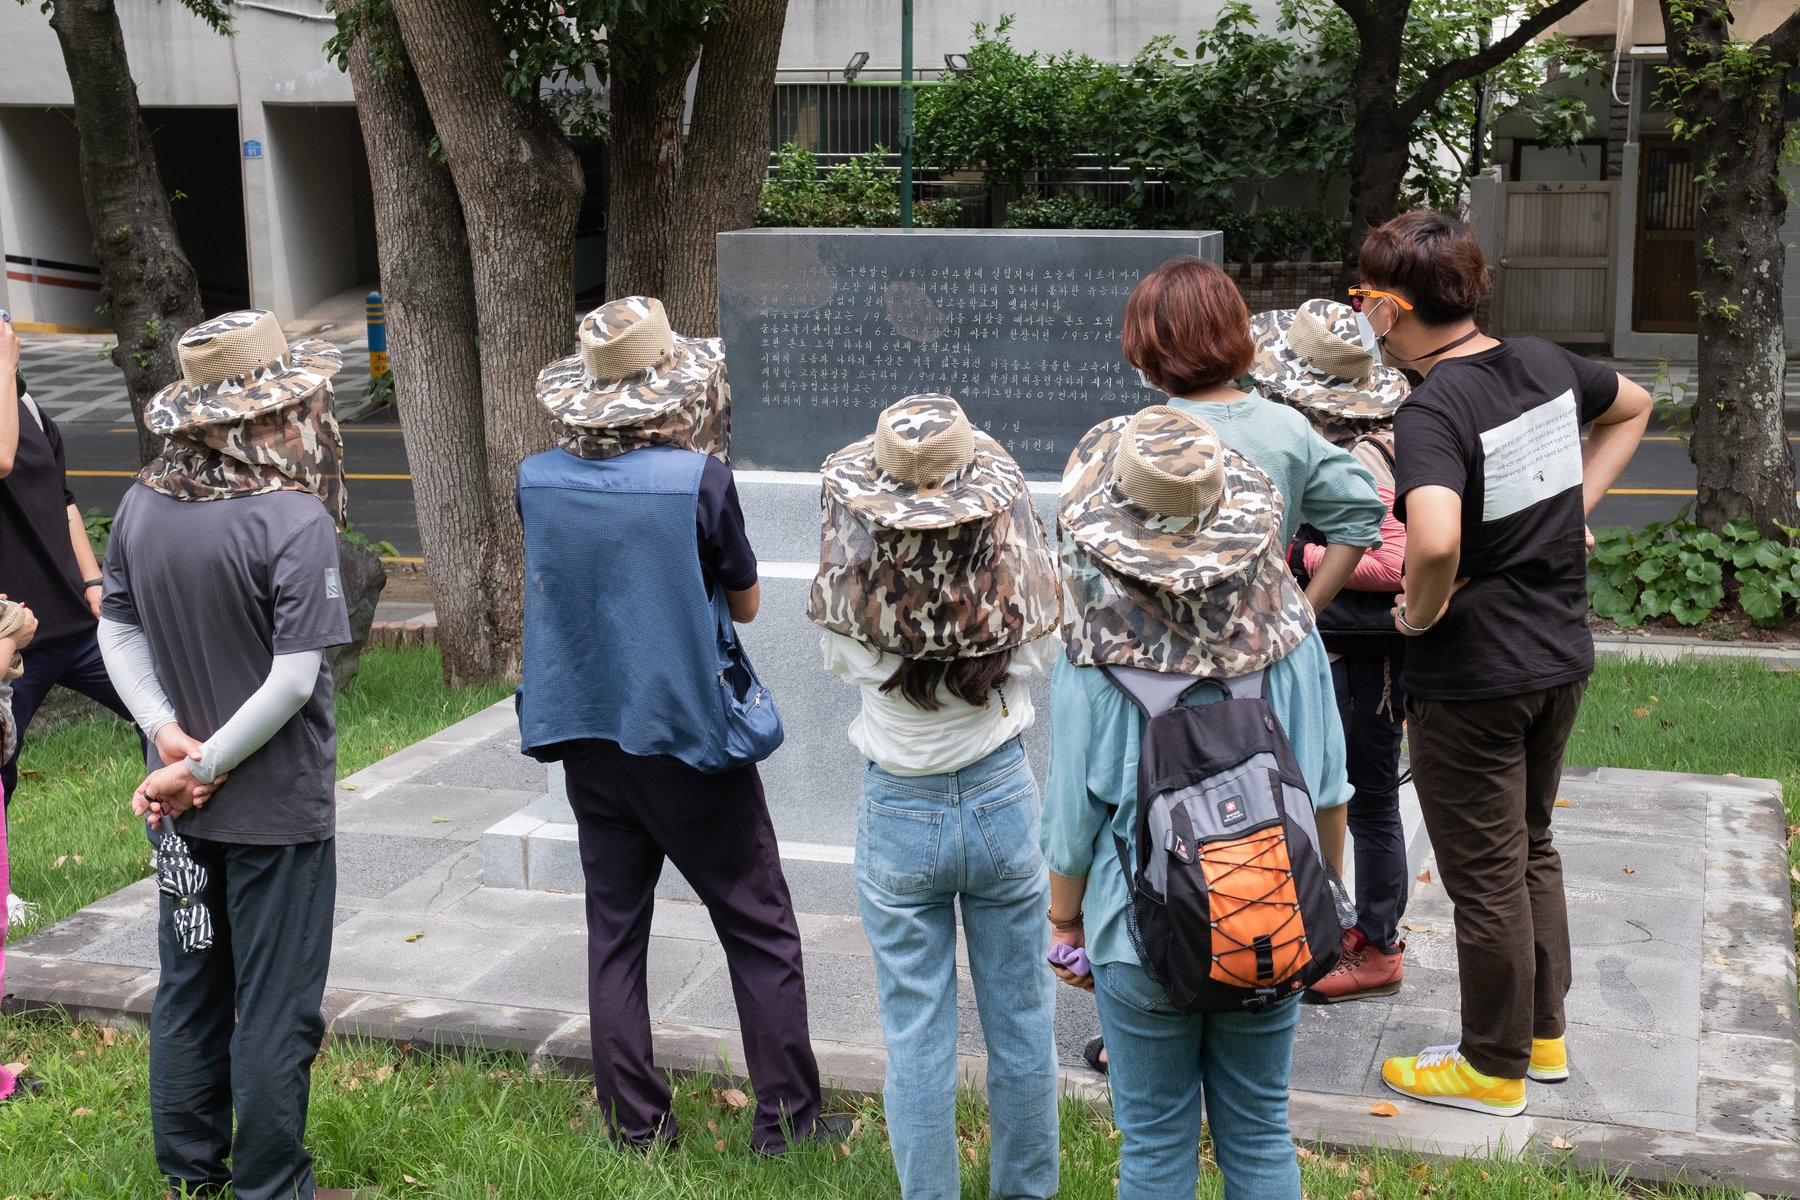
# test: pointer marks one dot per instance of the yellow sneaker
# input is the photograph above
(1441, 1075)
(1549, 1060)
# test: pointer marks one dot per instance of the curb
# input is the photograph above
(99, 993)
(1776, 656)
(408, 631)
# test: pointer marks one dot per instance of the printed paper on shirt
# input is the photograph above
(1531, 458)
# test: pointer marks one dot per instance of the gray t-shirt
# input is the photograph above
(220, 587)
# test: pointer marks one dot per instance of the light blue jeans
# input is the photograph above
(923, 842)
(1166, 1067)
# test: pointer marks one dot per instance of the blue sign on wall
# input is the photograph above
(252, 148)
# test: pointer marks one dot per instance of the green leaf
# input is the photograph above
(1650, 570)
(1706, 573)
(1770, 555)
(1760, 597)
(1613, 602)
(1741, 530)
(1652, 602)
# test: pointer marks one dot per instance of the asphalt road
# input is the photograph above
(102, 458)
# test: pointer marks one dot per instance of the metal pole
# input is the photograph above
(906, 114)
(377, 317)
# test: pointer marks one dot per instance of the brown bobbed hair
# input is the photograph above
(1186, 327)
(1432, 260)
(969, 679)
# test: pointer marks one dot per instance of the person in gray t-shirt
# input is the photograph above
(222, 593)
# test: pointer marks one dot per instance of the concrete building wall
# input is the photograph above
(42, 217)
(821, 35)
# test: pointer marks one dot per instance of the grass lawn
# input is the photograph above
(423, 1126)
(72, 836)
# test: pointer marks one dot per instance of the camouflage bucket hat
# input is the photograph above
(929, 545)
(237, 366)
(635, 382)
(250, 415)
(1312, 358)
(924, 467)
(1167, 538)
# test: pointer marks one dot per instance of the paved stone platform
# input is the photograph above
(1683, 1018)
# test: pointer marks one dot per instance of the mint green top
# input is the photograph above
(1322, 485)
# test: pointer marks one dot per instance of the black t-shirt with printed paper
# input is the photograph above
(1502, 429)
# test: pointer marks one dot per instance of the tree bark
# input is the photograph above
(147, 286)
(726, 156)
(642, 208)
(520, 186)
(428, 288)
(1381, 138)
(1742, 459)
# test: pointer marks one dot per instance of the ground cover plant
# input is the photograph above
(484, 1127)
(72, 836)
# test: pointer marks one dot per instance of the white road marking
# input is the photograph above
(817, 852)
(1039, 487)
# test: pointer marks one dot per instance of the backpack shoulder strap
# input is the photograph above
(32, 408)
(1382, 445)
(1152, 692)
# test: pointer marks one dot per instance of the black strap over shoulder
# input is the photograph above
(1155, 692)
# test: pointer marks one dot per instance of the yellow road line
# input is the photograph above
(397, 558)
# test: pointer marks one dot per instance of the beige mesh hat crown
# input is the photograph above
(631, 368)
(235, 366)
(1312, 358)
(924, 467)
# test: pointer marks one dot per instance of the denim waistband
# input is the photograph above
(1000, 764)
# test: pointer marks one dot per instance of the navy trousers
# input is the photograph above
(1372, 702)
(235, 1029)
(632, 812)
(73, 661)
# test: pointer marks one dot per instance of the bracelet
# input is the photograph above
(1401, 617)
(92, 583)
(1072, 923)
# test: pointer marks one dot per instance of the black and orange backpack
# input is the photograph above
(1231, 902)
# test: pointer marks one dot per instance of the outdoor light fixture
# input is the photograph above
(958, 64)
(857, 62)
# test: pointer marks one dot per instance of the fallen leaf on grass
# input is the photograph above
(82, 1112)
(1640, 712)
(719, 1145)
(1559, 1142)
(60, 860)
(843, 1150)
(733, 1099)
(1303, 1154)
(411, 1180)
(1564, 802)
(712, 1127)
(15, 1068)
(1419, 1170)
(1383, 1108)
(969, 1153)
(1425, 876)
(415, 937)
(1794, 874)
(108, 1035)
(1416, 926)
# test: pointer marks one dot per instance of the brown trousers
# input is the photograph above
(1487, 773)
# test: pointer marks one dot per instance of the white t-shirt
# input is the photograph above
(903, 739)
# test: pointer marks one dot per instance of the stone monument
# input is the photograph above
(823, 328)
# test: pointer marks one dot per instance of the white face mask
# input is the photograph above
(1366, 332)
(1144, 380)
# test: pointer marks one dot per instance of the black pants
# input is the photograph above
(73, 661)
(1488, 771)
(631, 813)
(271, 909)
(1371, 702)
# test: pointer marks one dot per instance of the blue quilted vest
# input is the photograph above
(621, 638)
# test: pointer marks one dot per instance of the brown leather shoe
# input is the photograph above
(1363, 971)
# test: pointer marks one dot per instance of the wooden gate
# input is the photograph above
(1662, 293)
(1555, 274)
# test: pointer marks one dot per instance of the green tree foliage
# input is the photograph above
(863, 192)
(1216, 120)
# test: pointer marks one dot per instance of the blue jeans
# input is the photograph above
(1165, 1067)
(921, 843)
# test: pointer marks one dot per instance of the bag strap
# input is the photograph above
(32, 408)
(1154, 693)
(1381, 447)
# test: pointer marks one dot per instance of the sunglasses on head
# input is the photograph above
(1358, 295)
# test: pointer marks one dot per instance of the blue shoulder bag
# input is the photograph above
(748, 725)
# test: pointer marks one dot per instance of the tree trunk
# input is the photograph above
(1742, 459)
(428, 287)
(520, 186)
(726, 157)
(641, 208)
(1381, 136)
(147, 286)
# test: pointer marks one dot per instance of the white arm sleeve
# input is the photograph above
(290, 684)
(126, 652)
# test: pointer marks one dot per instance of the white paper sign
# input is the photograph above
(1530, 458)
